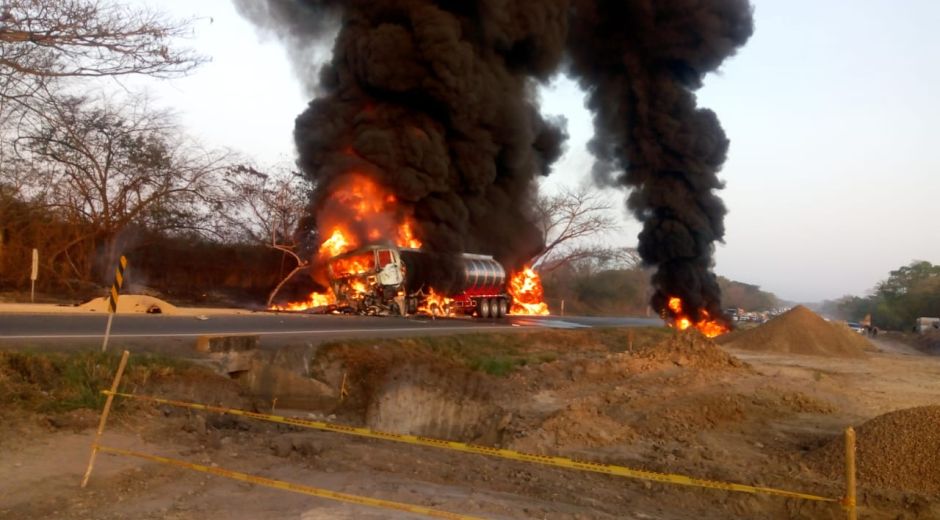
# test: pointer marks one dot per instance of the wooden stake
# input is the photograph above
(107, 332)
(850, 499)
(104, 417)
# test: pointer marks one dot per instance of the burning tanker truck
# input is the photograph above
(383, 280)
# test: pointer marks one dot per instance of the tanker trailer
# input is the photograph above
(382, 280)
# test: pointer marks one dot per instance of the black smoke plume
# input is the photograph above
(640, 62)
(434, 100)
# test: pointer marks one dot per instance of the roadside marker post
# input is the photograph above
(113, 299)
(34, 273)
(104, 416)
(850, 502)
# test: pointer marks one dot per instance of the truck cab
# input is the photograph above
(368, 279)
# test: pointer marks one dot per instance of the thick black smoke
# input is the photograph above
(640, 62)
(433, 99)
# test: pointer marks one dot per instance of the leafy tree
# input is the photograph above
(909, 292)
(746, 296)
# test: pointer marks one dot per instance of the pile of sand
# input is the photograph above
(690, 349)
(132, 303)
(800, 331)
(898, 450)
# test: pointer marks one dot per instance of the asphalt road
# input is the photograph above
(273, 328)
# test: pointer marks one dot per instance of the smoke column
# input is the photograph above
(434, 100)
(640, 62)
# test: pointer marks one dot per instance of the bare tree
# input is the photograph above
(41, 40)
(108, 165)
(569, 221)
(268, 208)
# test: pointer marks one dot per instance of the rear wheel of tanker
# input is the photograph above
(484, 307)
(502, 307)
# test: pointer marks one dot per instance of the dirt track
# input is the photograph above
(698, 413)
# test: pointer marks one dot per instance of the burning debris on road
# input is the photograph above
(426, 132)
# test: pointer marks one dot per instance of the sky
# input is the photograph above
(831, 107)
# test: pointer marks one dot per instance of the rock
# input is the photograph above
(282, 446)
(307, 447)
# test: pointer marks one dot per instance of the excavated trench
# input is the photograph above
(427, 398)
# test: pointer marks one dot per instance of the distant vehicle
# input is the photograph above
(856, 327)
(923, 325)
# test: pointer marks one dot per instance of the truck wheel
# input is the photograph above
(484, 307)
(502, 307)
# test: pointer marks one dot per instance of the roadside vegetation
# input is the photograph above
(501, 354)
(49, 383)
(909, 292)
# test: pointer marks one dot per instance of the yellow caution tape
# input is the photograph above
(290, 486)
(547, 460)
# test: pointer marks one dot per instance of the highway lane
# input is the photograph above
(275, 328)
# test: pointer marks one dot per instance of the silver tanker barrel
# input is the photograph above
(480, 274)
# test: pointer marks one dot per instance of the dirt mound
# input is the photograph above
(898, 450)
(579, 425)
(800, 331)
(689, 349)
(132, 303)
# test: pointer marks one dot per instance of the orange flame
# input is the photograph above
(360, 212)
(313, 301)
(708, 327)
(436, 305)
(353, 265)
(406, 235)
(337, 244)
(525, 287)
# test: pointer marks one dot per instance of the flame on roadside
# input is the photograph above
(436, 305)
(525, 287)
(679, 320)
(313, 301)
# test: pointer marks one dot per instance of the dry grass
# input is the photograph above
(501, 354)
(61, 382)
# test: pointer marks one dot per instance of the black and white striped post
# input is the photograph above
(113, 298)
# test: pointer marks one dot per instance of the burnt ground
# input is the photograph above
(645, 399)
